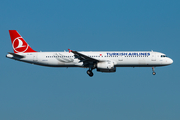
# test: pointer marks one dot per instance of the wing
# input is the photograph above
(83, 58)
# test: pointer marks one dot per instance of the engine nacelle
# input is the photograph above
(106, 66)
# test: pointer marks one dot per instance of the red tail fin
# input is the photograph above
(18, 43)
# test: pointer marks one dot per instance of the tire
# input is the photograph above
(154, 73)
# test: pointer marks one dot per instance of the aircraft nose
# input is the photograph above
(170, 61)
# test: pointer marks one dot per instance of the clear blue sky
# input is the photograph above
(30, 92)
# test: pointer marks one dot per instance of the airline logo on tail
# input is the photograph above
(18, 43)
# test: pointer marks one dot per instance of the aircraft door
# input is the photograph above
(35, 57)
(120, 58)
(153, 57)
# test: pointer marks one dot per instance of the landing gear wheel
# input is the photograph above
(90, 73)
(154, 73)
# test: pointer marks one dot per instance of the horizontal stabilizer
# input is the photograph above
(16, 55)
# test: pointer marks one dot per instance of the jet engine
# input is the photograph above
(107, 66)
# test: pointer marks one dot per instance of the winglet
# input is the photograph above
(70, 50)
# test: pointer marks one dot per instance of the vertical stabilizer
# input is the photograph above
(18, 43)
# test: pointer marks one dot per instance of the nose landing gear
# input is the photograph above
(153, 69)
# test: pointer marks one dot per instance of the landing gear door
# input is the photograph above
(153, 57)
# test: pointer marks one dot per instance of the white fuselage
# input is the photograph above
(119, 58)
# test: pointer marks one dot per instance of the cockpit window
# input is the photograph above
(163, 56)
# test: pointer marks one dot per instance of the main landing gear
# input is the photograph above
(154, 73)
(90, 73)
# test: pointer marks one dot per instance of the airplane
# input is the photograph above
(102, 61)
